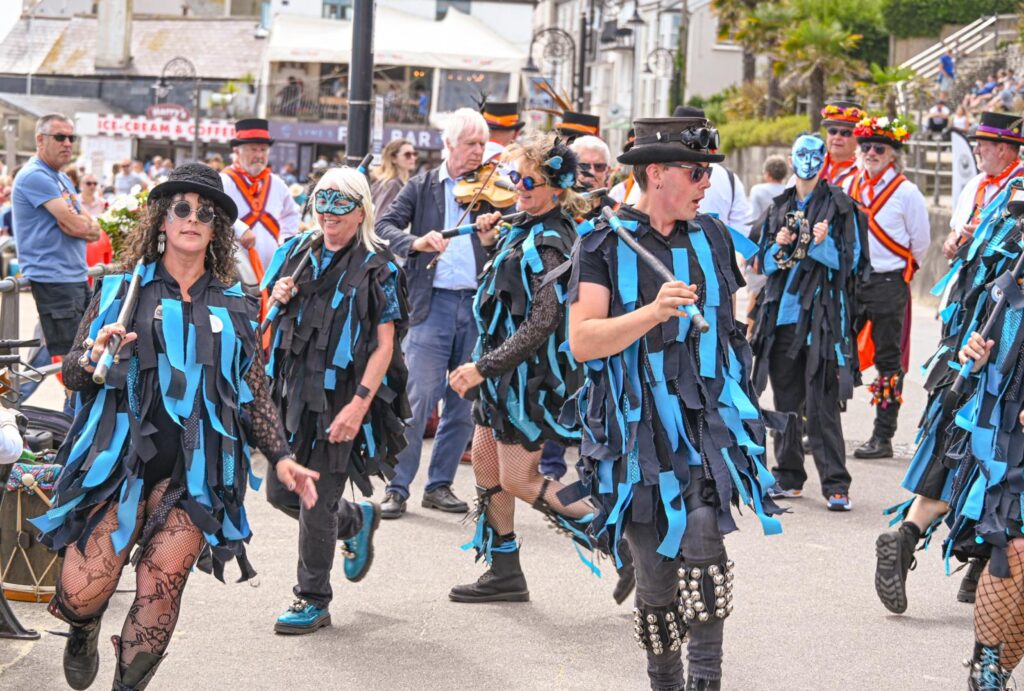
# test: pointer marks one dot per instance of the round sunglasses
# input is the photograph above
(697, 173)
(528, 182)
(182, 209)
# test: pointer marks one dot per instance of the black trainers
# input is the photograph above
(894, 551)
(443, 499)
(969, 584)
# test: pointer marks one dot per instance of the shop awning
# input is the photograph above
(38, 106)
(457, 42)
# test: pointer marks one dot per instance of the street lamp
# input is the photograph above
(558, 46)
(636, 20)
(180, 68)
(662, 59)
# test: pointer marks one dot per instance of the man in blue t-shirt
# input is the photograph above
(51, 232)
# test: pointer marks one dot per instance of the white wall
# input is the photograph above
(711, 66)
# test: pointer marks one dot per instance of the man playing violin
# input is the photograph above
(442, 331)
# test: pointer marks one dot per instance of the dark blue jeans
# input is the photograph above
(435, 346)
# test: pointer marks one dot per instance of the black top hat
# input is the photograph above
(687, 136)
(630, 139)
(579, 124)
(842, 113)
(502, 116)
(999, 127)
(252, 131)
(201, 179)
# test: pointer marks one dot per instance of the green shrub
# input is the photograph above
(740, 134)
(925, 17)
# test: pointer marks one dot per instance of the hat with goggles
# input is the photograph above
(201, 179)
(685, 137)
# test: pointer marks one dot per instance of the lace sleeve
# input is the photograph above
(545, 311)
(267, 432)
(75, 376)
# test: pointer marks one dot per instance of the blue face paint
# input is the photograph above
(335, 203)
(808, 156)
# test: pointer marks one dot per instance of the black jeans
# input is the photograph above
(657, 585)
(332, 518)
(817, 397)
(882, 299)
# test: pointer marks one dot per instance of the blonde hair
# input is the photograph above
(353, 183)
(388, 170)
(535, 149)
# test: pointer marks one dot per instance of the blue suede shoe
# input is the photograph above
(302, 617)
(358, 549)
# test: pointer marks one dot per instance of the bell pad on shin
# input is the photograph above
(658, 629)
(705, 591)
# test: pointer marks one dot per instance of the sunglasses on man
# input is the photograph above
(63, 137)
(596, 167)
(878, 148)
(840, 131)
(697, 173)
(183, 210)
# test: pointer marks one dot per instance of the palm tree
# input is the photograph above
(732, 15)
(818, 49)
(763, 31)
(882, 88)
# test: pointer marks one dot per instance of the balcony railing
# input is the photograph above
(335, 108)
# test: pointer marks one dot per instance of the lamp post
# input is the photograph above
(558, 46)
(180, 68)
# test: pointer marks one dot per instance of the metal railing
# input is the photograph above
(10, 303)
(928, 164)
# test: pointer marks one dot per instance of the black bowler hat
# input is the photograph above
(502, 116)
(575, 125)
(999, 127)
(687, 136)
(201, 179)
(252, 131)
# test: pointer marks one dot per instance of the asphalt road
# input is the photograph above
(806, 613)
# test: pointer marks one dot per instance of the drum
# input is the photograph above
(28, 570)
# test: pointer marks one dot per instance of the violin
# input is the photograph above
(485, 184)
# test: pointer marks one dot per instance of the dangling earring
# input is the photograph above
(161, 242)
(658, 186)
(554, 198)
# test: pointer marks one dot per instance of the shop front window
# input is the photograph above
(467, 88)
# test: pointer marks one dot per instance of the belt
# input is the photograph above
(456, 291)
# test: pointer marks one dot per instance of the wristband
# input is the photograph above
(362, 392)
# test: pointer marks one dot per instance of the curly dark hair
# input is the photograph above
(220, 254)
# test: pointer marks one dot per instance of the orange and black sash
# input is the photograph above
(256, 195)
(872, 209)
(836, 172)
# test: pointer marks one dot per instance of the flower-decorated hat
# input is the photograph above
(842, 113)
(882, 130)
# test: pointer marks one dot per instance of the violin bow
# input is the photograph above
(465, 212)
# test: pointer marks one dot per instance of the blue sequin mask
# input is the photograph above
(808, 156)
(335, 202)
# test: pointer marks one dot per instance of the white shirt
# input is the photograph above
(904, 218)
(618, 192)
(279, 205)
(964, 207)
(11, 443)
(456, 269)
(728, 200)
(493, 150)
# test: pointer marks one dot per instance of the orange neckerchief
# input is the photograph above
(990, 180)
(865, 179)
(256, 190)
(836, 171)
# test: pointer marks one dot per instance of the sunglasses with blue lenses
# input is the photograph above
(528, 182)
(335, 202)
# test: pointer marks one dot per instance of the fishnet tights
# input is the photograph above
(88, 580)
(999, 610)
(515, 469)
